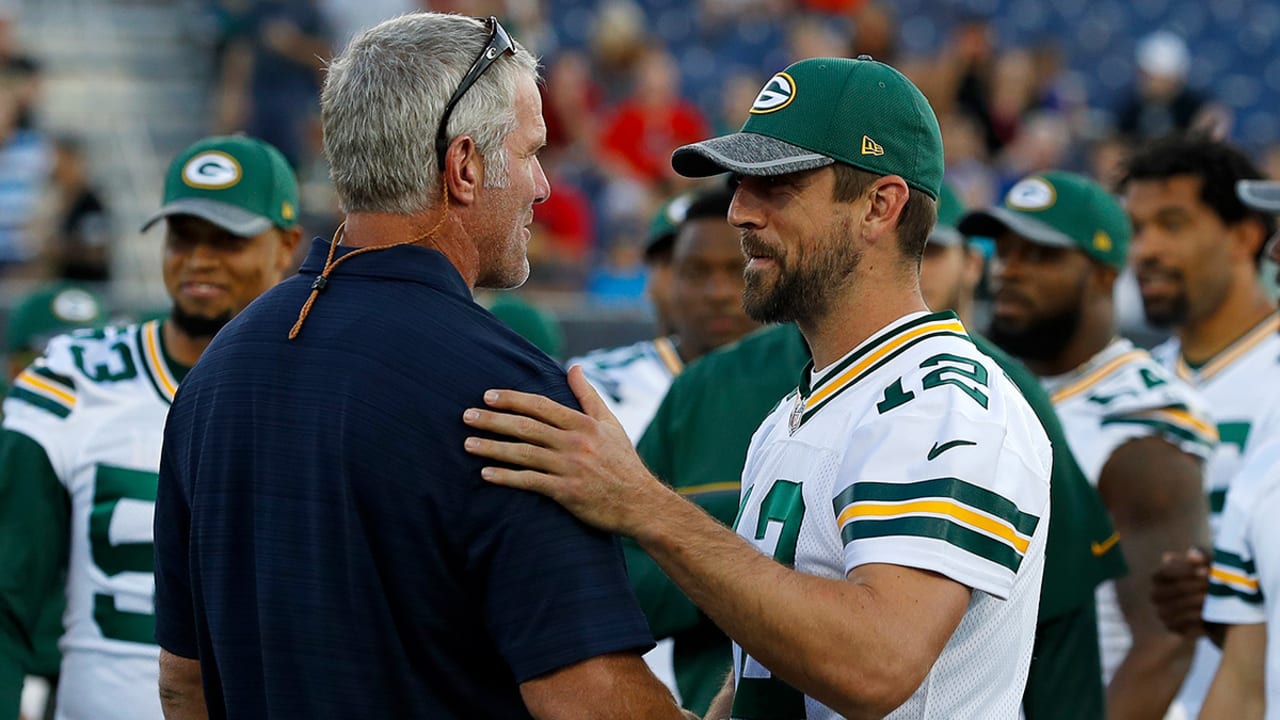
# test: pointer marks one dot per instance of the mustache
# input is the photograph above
(753, 246)
(1152, 267)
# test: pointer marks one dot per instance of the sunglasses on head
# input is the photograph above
(499, 44)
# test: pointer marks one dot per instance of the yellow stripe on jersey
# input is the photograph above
(39, 385)
(855, 371)
(936, 506)
(1229, 577)
(1185, 420)
(151, 340)
(670, 358)
(710, 488)
(1096, 376)
(1235, 351)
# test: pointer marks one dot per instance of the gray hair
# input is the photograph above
(382, 102)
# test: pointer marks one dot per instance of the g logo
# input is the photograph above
(1031, 194)
(74, 305)
(777, 94)
(211, 170)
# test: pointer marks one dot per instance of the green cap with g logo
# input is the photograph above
(826, 110)
(239, 183)
(1059, 209)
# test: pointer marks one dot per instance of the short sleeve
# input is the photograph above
(1235, 591)
(940, 486)
(175, 612)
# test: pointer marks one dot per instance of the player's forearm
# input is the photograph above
(835, 651)
(1148, 680)
(181, 691)
(722, 704)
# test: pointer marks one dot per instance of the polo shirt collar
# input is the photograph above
(403, 262)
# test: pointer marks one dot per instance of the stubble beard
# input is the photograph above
(1042, 340)
(805, 292)
(199, 326)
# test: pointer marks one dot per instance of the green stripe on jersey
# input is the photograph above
(1231, 560)
(1218, 589)
(40, 401)
(975, 497)
(1217, 500)
(67, 383)
(934, 528)
(1162, 428)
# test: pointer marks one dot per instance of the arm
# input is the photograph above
(181, 694)
(1239, 687)
(605, 686)
(861, 646)
(34, 532)
(723, 702)
(1154, 493)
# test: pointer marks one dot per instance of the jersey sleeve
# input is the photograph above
(1145, 400)
(1235, 591)
(945, 484)
(34, 532)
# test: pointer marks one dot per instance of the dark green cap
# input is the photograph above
(1059, 209)
(666, 222)
(241, 184)
(51, 311)
(949, 213)
(826, 110)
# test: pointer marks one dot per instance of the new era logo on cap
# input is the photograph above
(211, 171)
(871, 147)
(776, 94)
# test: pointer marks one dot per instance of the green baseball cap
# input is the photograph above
(665, 224)
(1059, 209)
(949, 213)
(241, 184)
(51, 311)
(826, 110)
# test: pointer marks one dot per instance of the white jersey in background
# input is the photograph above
(632, 379)
(1244, 583)
(1239, 385)
(914, 449)
(1122, 394)
(96, 403)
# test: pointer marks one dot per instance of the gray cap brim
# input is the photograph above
(744, 154)
(234, 220)
(993, 221)
(1261, 195)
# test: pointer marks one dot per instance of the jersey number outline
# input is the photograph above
(769, 698)
(111, 485)
(103, 372)
(965, 369)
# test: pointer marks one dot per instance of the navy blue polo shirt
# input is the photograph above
(324, 545)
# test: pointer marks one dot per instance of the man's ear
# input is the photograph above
(289, 241)
(887, 197)
(1247, 238)
(463, 170)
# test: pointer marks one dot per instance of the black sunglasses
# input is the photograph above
(499, 44)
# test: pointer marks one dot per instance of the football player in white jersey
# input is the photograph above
(890, 545)
(1138, 432)
(706, 312)
(80, 446)
(1196, 251)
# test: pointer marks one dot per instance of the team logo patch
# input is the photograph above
(777, 94)
(74, 306)
(212, 170)
(797, 413)
(1031, 194)
(871, 147)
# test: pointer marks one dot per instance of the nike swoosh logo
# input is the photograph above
(1101, 548)
(937, 449)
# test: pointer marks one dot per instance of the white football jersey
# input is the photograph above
(1123, 394)
(915, 449)
(96, 402)
(1239, 387)
(632, 379)
(1244, 583)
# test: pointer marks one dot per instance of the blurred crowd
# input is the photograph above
(626, 81)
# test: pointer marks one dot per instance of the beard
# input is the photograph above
(198, 326)
(1173, 313)
(803, 292)
(1042, 339)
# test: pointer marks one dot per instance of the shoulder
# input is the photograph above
(72, 365)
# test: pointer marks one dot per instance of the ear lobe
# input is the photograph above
(461, 172)
(1248, 237)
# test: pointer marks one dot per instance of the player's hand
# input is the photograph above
(1178, 590)
(584, 461)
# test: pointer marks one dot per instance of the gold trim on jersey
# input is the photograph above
(1263, 330)
(667, 353)
(1229, 577)
(1097, 375)
(873, 356)
(1185, 420)
(28, 380)
(1001, 529)
(154, 360)
(734, 485)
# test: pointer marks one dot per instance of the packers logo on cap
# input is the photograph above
(211, 171)
(1033, 193)
(777, 94)
(74, 305)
